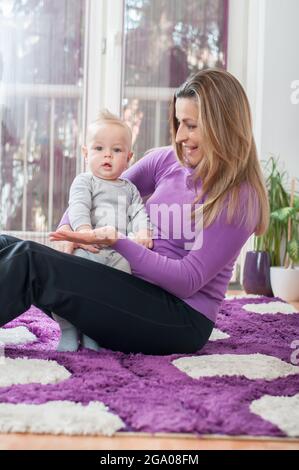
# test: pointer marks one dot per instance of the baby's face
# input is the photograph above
(107, 151)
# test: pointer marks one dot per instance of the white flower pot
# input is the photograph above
(285, 283)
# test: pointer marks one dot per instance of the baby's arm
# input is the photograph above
(84, 228)
(80, 203)
(140, 224)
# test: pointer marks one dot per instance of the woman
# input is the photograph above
(169, 304)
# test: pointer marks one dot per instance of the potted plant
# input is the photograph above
(285, 277)
(278, 247)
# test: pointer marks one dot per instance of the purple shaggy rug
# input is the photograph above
(244, 382)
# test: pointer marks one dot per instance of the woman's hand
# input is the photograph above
(104, 236)
(143, 237)
(66, 246)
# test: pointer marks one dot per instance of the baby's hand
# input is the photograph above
(144, 237)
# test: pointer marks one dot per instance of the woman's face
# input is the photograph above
(189, 133)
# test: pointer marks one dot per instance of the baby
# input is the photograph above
(101, 198)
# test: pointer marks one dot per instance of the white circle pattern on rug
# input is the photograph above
(252, 366)
(281, 411)
(18, 335)
(271, 307)
(242, 296)
(59, 417)
(26, 371)
(218, 334)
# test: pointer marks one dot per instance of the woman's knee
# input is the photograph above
(17, 245)
(7, 240)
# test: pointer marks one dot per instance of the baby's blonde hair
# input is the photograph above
(105, 116)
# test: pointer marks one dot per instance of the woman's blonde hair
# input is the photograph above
(230, 157)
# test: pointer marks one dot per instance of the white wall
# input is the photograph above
(280, 118)
(263, 52)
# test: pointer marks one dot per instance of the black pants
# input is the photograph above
(120, 311)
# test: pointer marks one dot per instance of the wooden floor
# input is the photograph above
(131, 441)
(139, 442)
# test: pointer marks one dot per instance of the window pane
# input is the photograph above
(41, 80)
(166, 41)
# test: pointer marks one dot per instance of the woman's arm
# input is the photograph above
(145, 173)
(141, 174)
(220, 245)
(183, 277)
(64, 221)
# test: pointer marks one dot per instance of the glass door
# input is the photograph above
(42, 46)
(165, 42)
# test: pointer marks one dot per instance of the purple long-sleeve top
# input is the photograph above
(200, 275)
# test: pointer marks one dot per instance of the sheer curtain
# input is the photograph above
(41, 88)
(165, 42)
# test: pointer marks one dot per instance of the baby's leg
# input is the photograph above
(116, 261)
(89, 343)
(100, 257)
(69, 340)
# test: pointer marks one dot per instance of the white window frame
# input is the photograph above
(246, 33)
(103, 58)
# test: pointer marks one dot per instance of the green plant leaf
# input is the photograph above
(293, 250)
(274, 239)
(283, 214)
